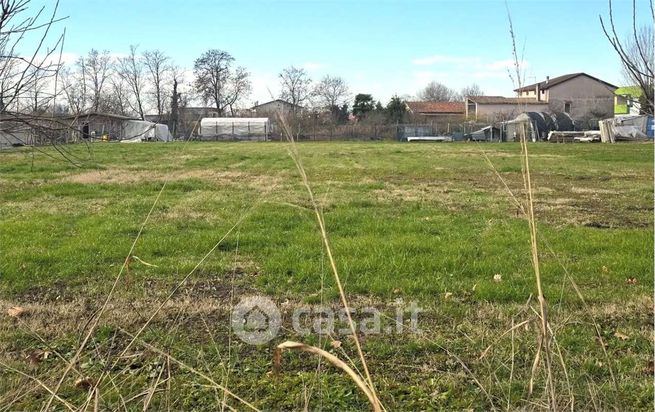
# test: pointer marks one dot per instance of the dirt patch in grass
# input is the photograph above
(57, 309)
(594, 191)
(128, 176)
(419, 192)
(53, 205)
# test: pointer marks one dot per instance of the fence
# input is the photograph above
(364, 131)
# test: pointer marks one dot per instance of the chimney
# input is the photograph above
(547, 78)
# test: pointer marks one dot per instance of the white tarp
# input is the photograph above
(245, 128)
(141, 130)
(624, 128)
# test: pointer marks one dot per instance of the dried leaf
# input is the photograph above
(447, 295)
(37, 356)
(335, 344)
(621, 336)
(16, 311)
(497, 277)
(84, 383)
(631, 281)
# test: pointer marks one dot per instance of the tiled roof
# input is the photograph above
(436, 107)
(557, 80)
(504, 100)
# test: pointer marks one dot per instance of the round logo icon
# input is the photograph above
(256, 320)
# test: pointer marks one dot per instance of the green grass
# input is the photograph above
(430, 223)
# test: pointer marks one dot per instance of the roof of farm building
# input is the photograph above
(284, 102)
(504, 100)
(98, 114)
(557, 80)
(436, 107)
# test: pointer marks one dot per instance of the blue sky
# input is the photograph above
(379, 47)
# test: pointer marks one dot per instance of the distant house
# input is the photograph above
(626, 100)
(270, 109)
(427, 111)
(499, 108)
(577, 94)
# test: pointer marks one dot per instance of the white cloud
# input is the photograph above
(442, 59)
(66, 58)
(265, 87)
(505, 64)
(312, 66)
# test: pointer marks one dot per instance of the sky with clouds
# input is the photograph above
(380, 47)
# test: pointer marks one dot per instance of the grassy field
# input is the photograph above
(407, 222)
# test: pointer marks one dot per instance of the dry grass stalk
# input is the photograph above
(277, 356)
(568, 276)
(326, 243)
(543, 339)
(192, 370)
(69, 406)
(152, 390)
(511, 330)
(96, 319)
(175, 289)
(458, 359)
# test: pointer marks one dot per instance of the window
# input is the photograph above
(472, 109)
(567, 107)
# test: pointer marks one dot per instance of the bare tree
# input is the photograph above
(26, 71)
(636, 53)
(437, 92)
(174, 118)
(130, 69)
(215, 81)
(96, 70)
(472, 90)
(10, 72)
(239, 87)
(74, 89)
(159, 71)
(38, 95)
(119, 97)
(177, 101)
(20, 73)
(331, 91)
(295, 86)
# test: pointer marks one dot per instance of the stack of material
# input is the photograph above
(570, 137)
(626, 128)
(429, 139)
